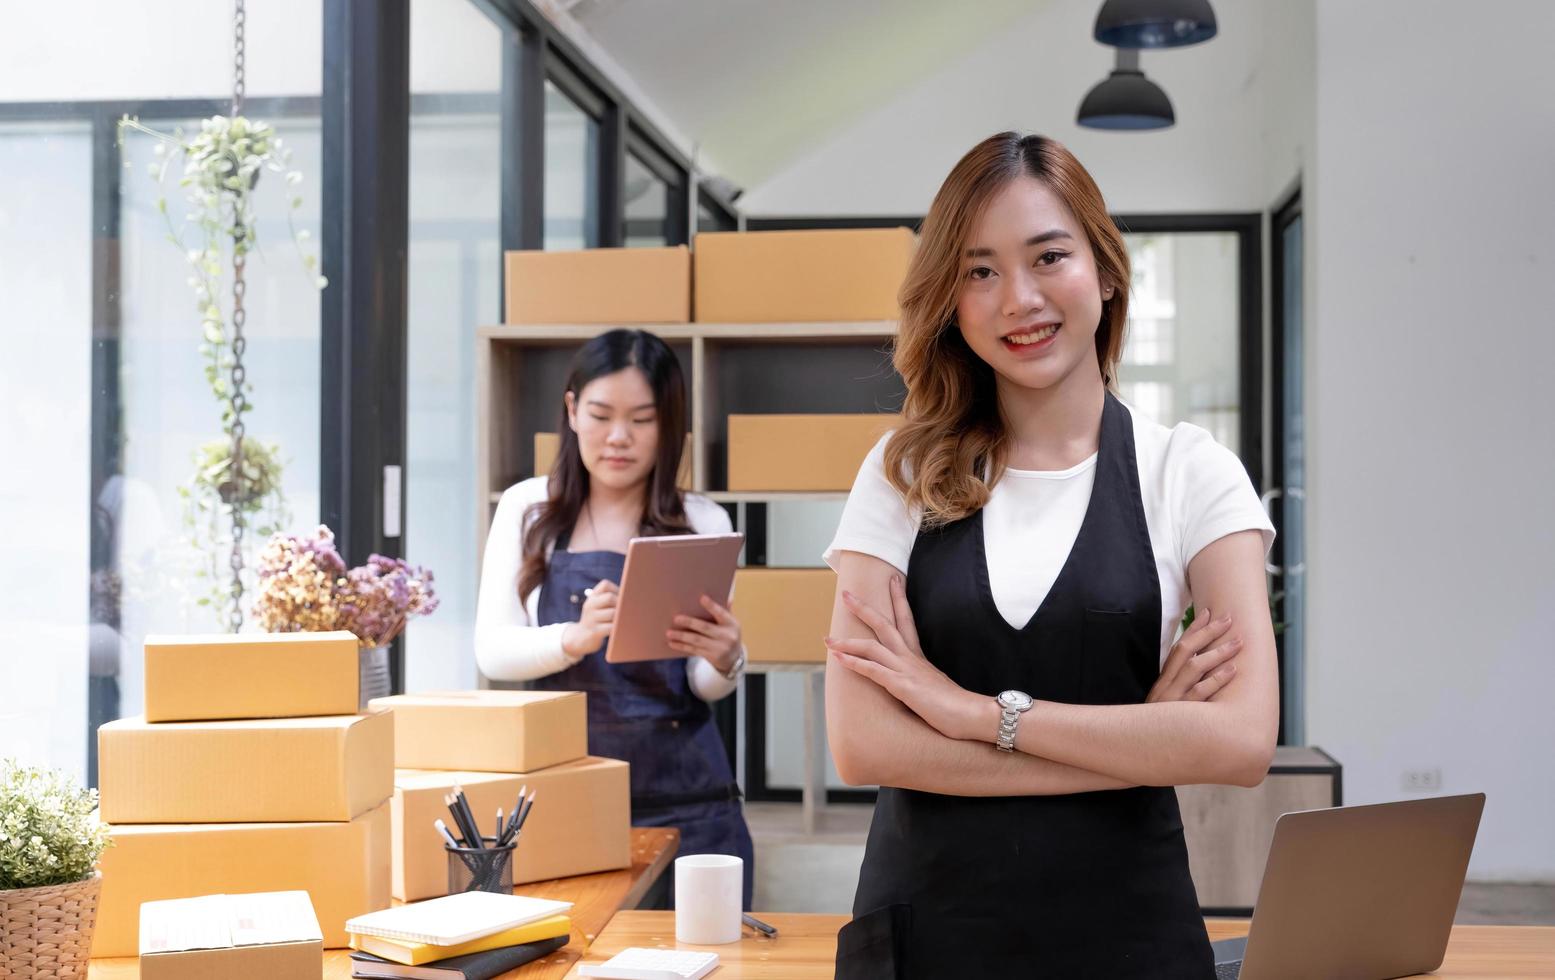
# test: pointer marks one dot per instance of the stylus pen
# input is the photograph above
(528, 805)
(466, 820)
(758, 925)
(442, 828)
(469, 815)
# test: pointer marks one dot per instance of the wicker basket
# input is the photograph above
(47, 931)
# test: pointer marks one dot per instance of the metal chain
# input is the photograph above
(238, 19)
(239, 376)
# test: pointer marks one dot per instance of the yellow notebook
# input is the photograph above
(415, 954)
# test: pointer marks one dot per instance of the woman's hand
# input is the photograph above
(1198, 667)
(594, 623)
(895, 661)
(716, 640)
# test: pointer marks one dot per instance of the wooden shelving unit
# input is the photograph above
(729, 368)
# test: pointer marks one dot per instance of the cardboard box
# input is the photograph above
(801, 452)
(250, 675)
(547, 444)
(344, 868)
(488, 731)
(580, 824)
(600, 285)
(790, 276)
(332, 768)
(784, 612)
(266, 936)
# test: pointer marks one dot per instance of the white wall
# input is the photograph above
(1432, 450)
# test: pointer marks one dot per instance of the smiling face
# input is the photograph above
(618, 428)
(1029, 298)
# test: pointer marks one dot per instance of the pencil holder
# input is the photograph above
(488, 869)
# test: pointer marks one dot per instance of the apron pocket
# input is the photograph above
(1115, 669)
(874, 945)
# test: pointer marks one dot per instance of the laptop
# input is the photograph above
(1357, 892)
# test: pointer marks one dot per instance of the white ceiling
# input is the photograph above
(757, 83)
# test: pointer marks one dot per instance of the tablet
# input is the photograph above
(666, 577)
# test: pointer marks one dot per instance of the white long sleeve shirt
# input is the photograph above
(509, 645)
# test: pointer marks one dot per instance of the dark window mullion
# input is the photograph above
(523, 144)
(612, 177)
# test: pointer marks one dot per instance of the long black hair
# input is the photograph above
(664, 510)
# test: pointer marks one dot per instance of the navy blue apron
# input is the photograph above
(1079, 885)
(646, 714)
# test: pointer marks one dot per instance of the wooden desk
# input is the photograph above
(1506, 952)
(806, 947)
(596, 899)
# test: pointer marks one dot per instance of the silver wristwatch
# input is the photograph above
(1014, 704)
(733, 673)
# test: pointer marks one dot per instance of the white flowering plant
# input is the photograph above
(49, 831)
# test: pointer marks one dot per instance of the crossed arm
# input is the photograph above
(945, 745)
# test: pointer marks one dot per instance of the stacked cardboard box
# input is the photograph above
(244, 784)
(599, 285)
(800, 276)
(493, 743)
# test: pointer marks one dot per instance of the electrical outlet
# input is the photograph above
(1422, 780)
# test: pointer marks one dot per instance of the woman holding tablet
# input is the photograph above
(549, 584)
(1013, 563)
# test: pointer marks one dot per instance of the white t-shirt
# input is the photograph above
(1194, 491)
(509, 646)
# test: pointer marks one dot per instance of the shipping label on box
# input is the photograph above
(250, 675)
(801, 452)
(599, 285)
(800, 276)
(785, 612)
(488, 731)
(580, 822)
(343, 866)
(263, 936)
(331, 768)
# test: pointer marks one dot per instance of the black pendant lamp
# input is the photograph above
(1154, 23)
(1126, 99)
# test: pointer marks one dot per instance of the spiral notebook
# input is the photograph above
(454, 919)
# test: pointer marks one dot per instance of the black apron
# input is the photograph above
(1079, 885)
(646, 714)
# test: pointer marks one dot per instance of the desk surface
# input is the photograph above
(806, 947)
(596, 898)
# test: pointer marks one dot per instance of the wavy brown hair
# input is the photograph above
(664, 510)
(952, 430)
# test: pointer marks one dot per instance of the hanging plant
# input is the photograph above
(236, 478)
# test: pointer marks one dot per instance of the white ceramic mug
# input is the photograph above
(709, 889)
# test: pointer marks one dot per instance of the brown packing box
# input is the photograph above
(547, 444)
(600, 285)
(344, 868)
(784, 612)
(268, 936)
(330, 768)
(488, 731)
(580, 824)
(784, 276)
(801, 452)
(250, 675)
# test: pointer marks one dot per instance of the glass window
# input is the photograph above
(647, 206)
(454, 268)
(571, 173)
(170, 558)
(45, 480)
(1180, 358)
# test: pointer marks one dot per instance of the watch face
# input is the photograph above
(1018, 700)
